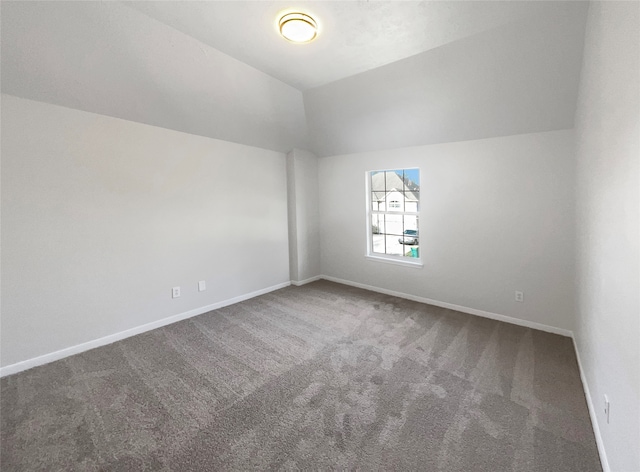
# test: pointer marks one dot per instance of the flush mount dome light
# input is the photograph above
(298, 27)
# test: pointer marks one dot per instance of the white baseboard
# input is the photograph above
(507, 319)
(298, 283)
(451, 306)
(592, 412)
(69, 351)
(54, 356)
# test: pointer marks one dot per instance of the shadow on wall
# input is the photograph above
(518, 78)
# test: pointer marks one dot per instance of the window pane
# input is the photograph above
(410, 237)
(377, 224)
(394, 180)
(393, 245)
(411, 222)
(377, 181)
(377, 201)
(411, 251)
(412, 179)
(412, 201)
(395, 201)
(393, 224)
(377, 243)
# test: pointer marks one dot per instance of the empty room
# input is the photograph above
(324, 235)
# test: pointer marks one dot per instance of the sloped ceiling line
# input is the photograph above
(381, 74)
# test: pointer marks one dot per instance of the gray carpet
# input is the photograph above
(323, 376)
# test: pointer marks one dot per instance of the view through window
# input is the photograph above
(394, 197)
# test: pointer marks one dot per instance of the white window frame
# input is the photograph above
(415, 262)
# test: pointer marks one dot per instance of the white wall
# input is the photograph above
(106, 58)
(304, 217)
(497, 216)
(518, 78)
(608, 234)
(102, 216)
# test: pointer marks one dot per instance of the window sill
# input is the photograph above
(388, 260)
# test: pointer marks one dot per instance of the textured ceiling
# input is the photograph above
(381, 74)
(355, 36)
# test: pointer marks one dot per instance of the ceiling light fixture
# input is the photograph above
(298, 27)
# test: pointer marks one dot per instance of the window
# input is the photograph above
(393, 202)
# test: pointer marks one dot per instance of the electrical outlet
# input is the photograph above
(202, 286)
(519, 296)
(607, 408)
(175, 292)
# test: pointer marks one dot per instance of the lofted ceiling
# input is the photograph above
(381, 74)
(355, 36)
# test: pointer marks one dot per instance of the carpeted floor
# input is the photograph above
(322, 376)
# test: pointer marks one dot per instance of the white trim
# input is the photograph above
(396, 261)
(592, 412)
(451, 306)
(69, 351)
(298, 283)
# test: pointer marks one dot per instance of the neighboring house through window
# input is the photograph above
(393, 198)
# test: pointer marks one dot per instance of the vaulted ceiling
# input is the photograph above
(355, 36)
(380, 74)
